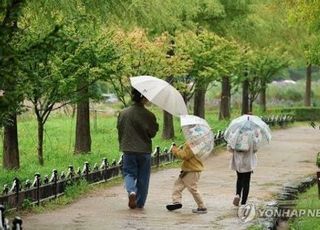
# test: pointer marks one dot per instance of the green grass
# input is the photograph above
(308, 200)
(59, 140)
(255, 227)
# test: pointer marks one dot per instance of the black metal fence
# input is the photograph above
(42, 189)
(4, 222)
(278, 120)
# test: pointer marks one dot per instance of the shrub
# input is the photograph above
(303, 113)
(293, 95)
(26, 204)
(74, 190)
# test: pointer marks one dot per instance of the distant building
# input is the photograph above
(284, 82)
(110, 98)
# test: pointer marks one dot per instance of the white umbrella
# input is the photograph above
(246, 130)
(160, 93)
(198, 134)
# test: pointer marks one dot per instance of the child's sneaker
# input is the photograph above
(132, 200)
(174, 206)
(236, 200)
(200, 210)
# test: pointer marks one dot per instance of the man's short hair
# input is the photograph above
(136, 96)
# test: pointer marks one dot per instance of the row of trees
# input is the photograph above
(53, 53)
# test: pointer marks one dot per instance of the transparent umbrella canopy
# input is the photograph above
(247, 130)
(198, 134)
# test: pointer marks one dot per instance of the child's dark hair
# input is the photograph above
(136, 96)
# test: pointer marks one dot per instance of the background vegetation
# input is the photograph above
(307, 201)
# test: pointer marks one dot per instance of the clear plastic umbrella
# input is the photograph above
(198, 134)
(247, 130)
(160, 93)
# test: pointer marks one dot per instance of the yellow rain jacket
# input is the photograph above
(191, 163)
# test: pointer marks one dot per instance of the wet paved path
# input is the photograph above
(290, 156)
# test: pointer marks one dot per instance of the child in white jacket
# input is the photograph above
(243, 162)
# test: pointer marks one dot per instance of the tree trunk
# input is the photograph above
(10, 16)
(185, 98)
(83, 137)
(307, 99)
(250, 106)
(199, 101)
(245, 97)
(40, 141)
(168, 128)
(225, 98)
(10, 144)
(263, 98)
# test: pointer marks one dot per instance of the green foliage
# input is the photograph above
(35, 47)
(305, 14)
(255, 227)
(312, 50)
(293, 95)
(12, 85)
(142, 55)
(26, 204)
(76, 189)
(62, 59)
(212, 56)
(307, 201)
(289, 94)
(170, 15)
(259, 66)
(236, 14)
(318, 160)
(303, 113)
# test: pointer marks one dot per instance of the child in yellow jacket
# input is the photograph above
(189, 176)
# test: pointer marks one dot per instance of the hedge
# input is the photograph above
(302, 113)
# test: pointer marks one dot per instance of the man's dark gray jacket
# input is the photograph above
(136, 127)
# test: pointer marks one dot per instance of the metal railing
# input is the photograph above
(4, 222)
